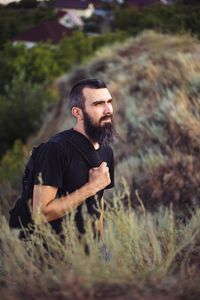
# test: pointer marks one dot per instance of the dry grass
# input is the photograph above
(155, 83)
(150, 253)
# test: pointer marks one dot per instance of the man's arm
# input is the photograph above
(52, 208)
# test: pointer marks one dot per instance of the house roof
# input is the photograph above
(72, 4)
(77, 4)
(44, 32)
(141, 3)
(97, 3)
(61, 13)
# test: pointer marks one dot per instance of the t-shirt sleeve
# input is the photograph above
(111, 169)
(50, 165)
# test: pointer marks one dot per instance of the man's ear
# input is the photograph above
(77, 113)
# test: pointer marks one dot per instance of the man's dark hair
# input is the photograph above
(76, 97)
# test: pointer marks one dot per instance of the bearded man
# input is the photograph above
(67, 180)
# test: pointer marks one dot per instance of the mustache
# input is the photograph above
(106, 117)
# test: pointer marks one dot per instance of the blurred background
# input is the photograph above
(147, 52)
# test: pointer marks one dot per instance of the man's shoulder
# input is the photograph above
(56, 144)
(61, 136)
(61, 139)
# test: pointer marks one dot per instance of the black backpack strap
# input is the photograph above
(87, 150)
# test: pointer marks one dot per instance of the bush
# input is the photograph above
(171, 19)
(12, 164)
(22, 109)
(37, 64)
(11, 170)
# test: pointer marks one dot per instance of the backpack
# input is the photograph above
(20, 214)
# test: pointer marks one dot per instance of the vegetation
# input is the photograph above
(183, 15)
(152, 221)
(17, 17)
(154, 80)
(161, 18)
(22, 109)
(26, 76)
(150, 255)
(188, 2)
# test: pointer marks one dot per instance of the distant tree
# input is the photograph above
(12, 165)
(174, 18)
(10, 26)
(188, 2)
(22, 109)
(14, 19)
(81, 45)
(12, 61)
(65, 55)
(127, 19)
(26, 4)
(37, 64)
(40, 65)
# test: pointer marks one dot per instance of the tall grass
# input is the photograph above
(149, 253)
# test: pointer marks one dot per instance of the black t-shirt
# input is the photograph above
(61, 165)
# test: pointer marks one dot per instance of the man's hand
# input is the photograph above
(99, 177)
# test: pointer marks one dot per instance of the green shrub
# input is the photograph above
(171, 19)
(12, 164)
(11, 170)
(22, 110)
(37, 64)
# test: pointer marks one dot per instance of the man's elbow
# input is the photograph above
(48, 213)
(40, 213)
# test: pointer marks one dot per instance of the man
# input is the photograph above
(67, 179)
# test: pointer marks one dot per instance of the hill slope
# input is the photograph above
(155, 82)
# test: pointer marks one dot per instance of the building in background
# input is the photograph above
(70, 19)
(81, 8)
(46, 31)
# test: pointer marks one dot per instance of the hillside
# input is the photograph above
(155, 83)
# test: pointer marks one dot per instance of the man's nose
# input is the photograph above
(108, 109)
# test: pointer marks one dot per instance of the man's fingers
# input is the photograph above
(95, 168)
(102, 168)
(103, 164)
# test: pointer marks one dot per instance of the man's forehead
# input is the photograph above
(96, 94)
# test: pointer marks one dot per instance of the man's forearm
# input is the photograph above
(45, 201)
(59, 207)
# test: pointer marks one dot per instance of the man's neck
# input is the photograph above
(82, 131)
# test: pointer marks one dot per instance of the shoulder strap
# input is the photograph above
(84, 146)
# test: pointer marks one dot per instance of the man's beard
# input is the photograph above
(105, 135)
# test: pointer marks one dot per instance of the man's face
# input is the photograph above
(98, 105)
(98, 115)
